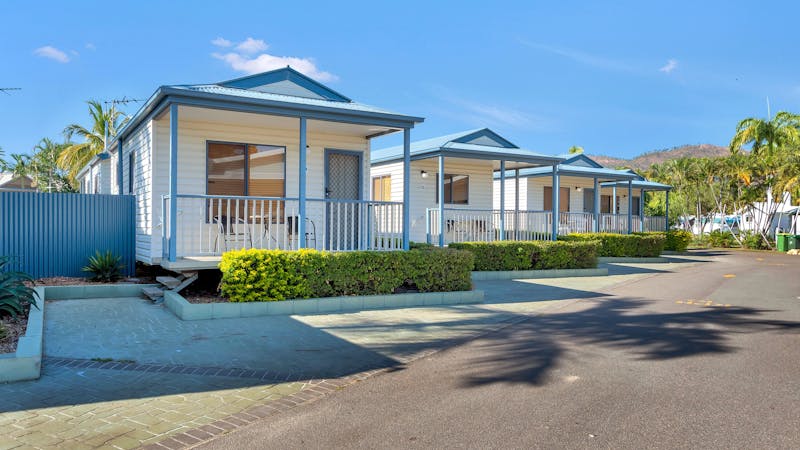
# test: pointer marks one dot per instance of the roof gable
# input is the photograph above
(286, 81)
(485, 137)
(582, 160)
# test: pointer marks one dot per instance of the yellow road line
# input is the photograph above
(729, 275)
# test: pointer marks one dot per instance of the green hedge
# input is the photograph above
(531, 255)
(622, 245)
(270, 275)
(676, 240)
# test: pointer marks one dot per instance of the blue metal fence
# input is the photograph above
(54, 234)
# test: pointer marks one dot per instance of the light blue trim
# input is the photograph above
(630, 207)
(285, 74)
(485, 132)
(641, 207)
(502, 200)
(556, 207)
(440, 181)
(406, 187)
(597, 201)
(173, 182)
(120, 171)
(301, 184)
(516, 204)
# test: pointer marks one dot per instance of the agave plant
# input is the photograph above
(14, 293)
(105, 267)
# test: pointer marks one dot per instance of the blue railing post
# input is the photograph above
(502, 200)
(406, 188)
(516, 204)
(301, 188)
(641, 209)
(173, 181)
(596, 227)
(440, 180)
(555, 208)
(630, 206)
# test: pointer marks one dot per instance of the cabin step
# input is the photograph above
(169, 282)
(153, 293)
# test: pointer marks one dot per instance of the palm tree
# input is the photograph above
(105, 122)
(44, 166)
(575, 150)
(767, 135)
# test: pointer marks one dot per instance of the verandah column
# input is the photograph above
(555, 209)
(630, 206)
(641, 209)
(516, 204)
(666, 213)
(596, 225)
(502, 200)
(406, 187)
(440, 199)
(301, 188)
(173, 182)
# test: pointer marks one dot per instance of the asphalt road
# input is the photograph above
(706, 357)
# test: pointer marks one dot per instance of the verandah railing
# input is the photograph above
(464, 225)
(208, 225)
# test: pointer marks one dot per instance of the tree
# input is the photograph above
(767, 135)
(104, 122)
(44, 169)
(575, 150)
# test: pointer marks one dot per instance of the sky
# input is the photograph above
(617, 78)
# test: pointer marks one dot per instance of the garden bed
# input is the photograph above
(24, 362)
(13, 329)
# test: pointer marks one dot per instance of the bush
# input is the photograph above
(754, 241)
(15, 295)
(527, 255)
(271, 275)
(622, 245)
(105, 267)
(721, 239)
(675, 240)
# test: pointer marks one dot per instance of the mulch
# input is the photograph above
(14, 329)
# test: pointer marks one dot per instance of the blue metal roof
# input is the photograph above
(235, 95)
(641, 184)
(578, 171)
(451, 146)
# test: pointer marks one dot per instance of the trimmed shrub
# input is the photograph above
(272, 275)
(721, 239)
(676, 240)
(754, 241)
(531, 255)
(622, 245)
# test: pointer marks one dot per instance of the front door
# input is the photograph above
(343, 182)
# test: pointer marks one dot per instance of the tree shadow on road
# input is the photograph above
(529, 351)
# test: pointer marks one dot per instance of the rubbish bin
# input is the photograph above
(783, 242)
(793, 242)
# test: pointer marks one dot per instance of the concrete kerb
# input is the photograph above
(631, 260)
(26, 362)
(534, 274)
(204, 311)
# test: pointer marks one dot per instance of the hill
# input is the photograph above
(645, 160)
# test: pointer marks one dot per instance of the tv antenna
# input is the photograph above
(5, 90)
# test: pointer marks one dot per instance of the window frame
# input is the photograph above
(381, 179)
(450, 175)
(246, 179)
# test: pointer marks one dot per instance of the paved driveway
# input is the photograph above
(165, 376)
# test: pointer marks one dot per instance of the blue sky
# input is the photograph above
(617, 80)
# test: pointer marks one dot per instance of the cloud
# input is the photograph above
(248, 57)
(580, 57)
(51, 53)
(251, 45)
(90, 46)
(671, 65)
(221, 42)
